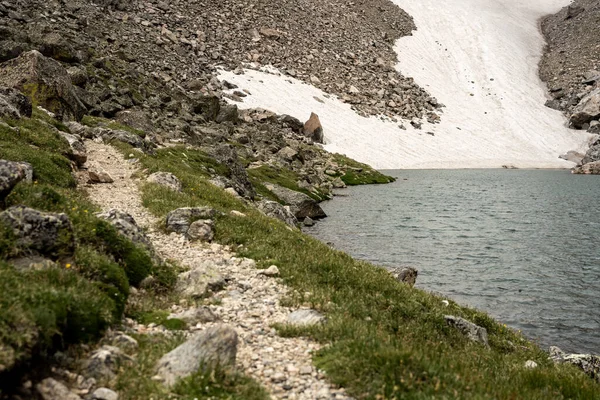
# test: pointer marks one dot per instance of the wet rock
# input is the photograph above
(215, 346)
(103, 363)
(195, 316)
(301, 205)
(226, 155)
(589, 363)
(313, 128)
(470, 330)
(201, 230)
(51, 389)
(44, 80)
(45, 233)
(275, 210)
(305, 317)
(179, 220)
(104, 394)
(406, 275)
(165, 179)
(11, 173)
(587, 110)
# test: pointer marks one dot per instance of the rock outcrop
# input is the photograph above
(301, 205)
(589, 363)
(313, 128)
(275, 210)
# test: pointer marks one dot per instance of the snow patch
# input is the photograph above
(480, 59)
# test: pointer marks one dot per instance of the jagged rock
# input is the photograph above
(103, 363)
(45, 233)
(179, 220)
(271, 271)
(199, 282)
(313, 129)
(338, 183)
(587, 110)
(201, 230)
(165, 179)
(287, 153)
(51, 389)
(126, 226)
(589, 363)
(294, 123)
(78, 150)
(593, 154)
(214, 347)
(54, 45)
(108, 135)
(301, 205)
(305, 317)
(44, 81)
(406, 275)
(275, 210)
(228, 113)
(194, 316)
(226, 155)
(474, 332)
(207, 106)
(11, 173)
(13, 104)
(104, 394)
(135, 118)
(591, 168)
(308, 221)
(97, 175)
(79, 76)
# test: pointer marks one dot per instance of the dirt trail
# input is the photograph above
(249, 303)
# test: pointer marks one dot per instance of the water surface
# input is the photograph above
(519, 244)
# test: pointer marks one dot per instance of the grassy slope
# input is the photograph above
(386, 340)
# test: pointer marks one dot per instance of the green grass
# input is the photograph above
(385, 340)
(360, 174)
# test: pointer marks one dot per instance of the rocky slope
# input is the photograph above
(571, 69)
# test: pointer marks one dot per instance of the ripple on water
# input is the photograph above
(518, 244)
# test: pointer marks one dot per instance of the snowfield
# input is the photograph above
(477, 57)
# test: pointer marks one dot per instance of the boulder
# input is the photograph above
(124, 342)
(179, 220)
(103, 362)
(275, 210)
(589, 363)
(226, 155)
(13, 104)
(126, 226)
(301, 205)
(406, 275)
(104, 394)
(45, 233)
(200, 282)
(593, 154)
(135, 118)
(98, 175)
(228, 113)
(11, 173)
(55, 46)
(215, 347)
(313, 128)
(45, 82)
(165, 179)
(109, 135)
(474, 332)
(305, 317)
(294, 123)
(308, 222)
(51, 389)
(207, 106)
(78, 150)
(591, 168)
(201, 230)
(194, 316)
(587, 110)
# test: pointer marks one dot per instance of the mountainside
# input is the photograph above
(571, 69)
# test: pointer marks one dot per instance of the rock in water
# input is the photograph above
(45, 233)
(11, 173)
(213, 347)
(165, 179)
(301, 205)
(589, 363)
(305, 317)
(51, 389)
(275, 210)
(45, 82)
(406, 275)
(474, 332)
(313, 128)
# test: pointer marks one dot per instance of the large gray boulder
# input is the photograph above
(45, 82)
(215, 347)
(207, 106)
(165, 179)
(473, 332)
(301, 205)
(45, 233)
(179, 220)
(587, 110)
(11, 173)
(275, 210)
(226, 155)
(589, 363)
